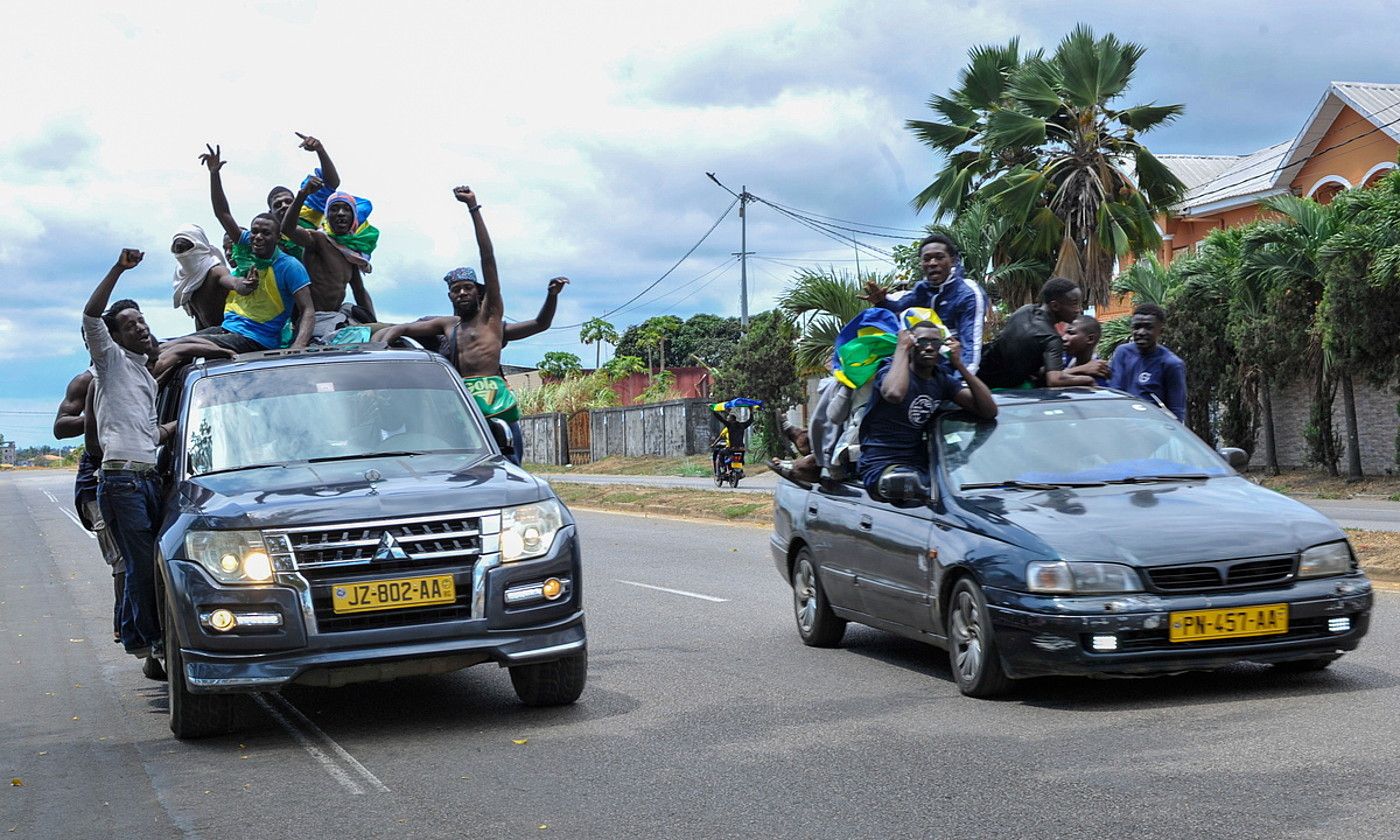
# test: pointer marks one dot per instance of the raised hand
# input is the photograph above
(129, 258)
(557, 284)
(954, 348)
(309, 143)
(312, 186)
(874, 292)
(465, 195)
(211, 158)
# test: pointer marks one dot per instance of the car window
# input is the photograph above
(1071, 440)
(326, 411)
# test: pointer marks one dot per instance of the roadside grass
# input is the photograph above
(1320, 485)
(668, 501)
(692, 466)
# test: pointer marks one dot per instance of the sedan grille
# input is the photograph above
(1224, 574)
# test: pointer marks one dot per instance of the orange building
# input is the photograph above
(1351, 139)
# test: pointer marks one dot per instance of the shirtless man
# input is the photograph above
(336, 255)
(280, 198)
(475, 330)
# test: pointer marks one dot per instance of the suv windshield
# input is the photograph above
(1072, 441)
(326, 411)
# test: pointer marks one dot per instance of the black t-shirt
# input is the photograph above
(892, 433)
(1027, 347)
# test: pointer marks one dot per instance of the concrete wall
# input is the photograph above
(666, 429)
(1376, 420)
(546, 438)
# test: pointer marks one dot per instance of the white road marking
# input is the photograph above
(335, 770)
(673, 591)
(269, 700)
(76, 521)
(51, 498)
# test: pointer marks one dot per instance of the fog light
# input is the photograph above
(553, 588)
(1338, 625)
(222, 620)
(1105, 643)
(523, 594)
(259, 619)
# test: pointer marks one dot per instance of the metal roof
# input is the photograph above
(1246, 176)
(1194, 170)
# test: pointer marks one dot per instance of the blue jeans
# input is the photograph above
(130, 503)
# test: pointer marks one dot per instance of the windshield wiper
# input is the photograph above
(1029, 485)
(1151, 479)
(393, 453)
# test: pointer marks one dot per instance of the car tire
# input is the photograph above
(816, 623)
(556, 683)
(972, 647)
(191, 715)
(1305, 666)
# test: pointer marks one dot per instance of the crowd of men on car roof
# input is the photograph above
(281, 282)
(893, 350)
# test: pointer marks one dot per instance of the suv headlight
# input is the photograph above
(230, 556)
(528, 530)
(1065, 578)
(1322, 560)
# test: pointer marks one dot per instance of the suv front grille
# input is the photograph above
(1224, 574)
(327, 556)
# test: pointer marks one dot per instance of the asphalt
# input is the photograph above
(703, 717)
(1369, 514)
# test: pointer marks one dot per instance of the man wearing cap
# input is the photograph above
(336, 255)
(474, 334)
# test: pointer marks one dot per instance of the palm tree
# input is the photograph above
(597, 331)
(1040, 139)
(1282, 256)
(821, 302)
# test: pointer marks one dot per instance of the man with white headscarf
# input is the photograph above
(202, 280)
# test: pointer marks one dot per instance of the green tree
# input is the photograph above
(620, 367)
(599, 332)
(560, 365)
(1043, 141)
(708, 338)
(648, 339)
(820, 302)
(1282, 256)
(1197, 316)
(764, 367)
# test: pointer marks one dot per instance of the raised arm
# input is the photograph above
(129, 259)
(493, 303)
(328, 173)
(290, 228)
(976, 396)
(542, 321)
(896, 383)
(217, 198)
(68, 423)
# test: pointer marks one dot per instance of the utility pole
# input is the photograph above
(744, 198)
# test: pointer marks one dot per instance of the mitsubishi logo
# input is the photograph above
(389, 549)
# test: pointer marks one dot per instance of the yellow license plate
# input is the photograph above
(1238, 622)
(393, 594)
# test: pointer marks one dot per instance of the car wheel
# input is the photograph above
(972, 648)
(1304, 666)
(191, 715)
(816, 623)
(556, 683)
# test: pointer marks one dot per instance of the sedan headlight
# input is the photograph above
(1061, 577)
(528, 530)
(1322, 560)
(230, 556)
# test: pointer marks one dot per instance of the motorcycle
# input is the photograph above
(729, 467)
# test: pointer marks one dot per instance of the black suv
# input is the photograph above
(340, 515)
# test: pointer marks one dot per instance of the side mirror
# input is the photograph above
(903, 488)
(1237, 458)
(500, 430)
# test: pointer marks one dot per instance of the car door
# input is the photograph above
(831, 522)
(891, 562)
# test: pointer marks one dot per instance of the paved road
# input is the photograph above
(704, 717)
(1373, 514)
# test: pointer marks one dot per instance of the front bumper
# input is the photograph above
(298, 650)
(1040, 635)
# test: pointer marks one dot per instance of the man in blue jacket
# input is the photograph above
(1144, 368)
(960, 303)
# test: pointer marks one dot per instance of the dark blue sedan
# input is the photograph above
(1082, 532)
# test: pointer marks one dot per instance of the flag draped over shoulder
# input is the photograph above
(870, 337)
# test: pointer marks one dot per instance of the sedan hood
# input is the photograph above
(359, 489)
(1154, 524)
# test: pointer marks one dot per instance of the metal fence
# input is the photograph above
(666, 429)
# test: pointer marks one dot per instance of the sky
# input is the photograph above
(586, 130)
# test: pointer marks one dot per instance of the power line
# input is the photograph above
(727, 262)
(662, 277)
(910, 231)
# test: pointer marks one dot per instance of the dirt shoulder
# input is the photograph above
(1378, 551)
(1319, 485)
(692, 466)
